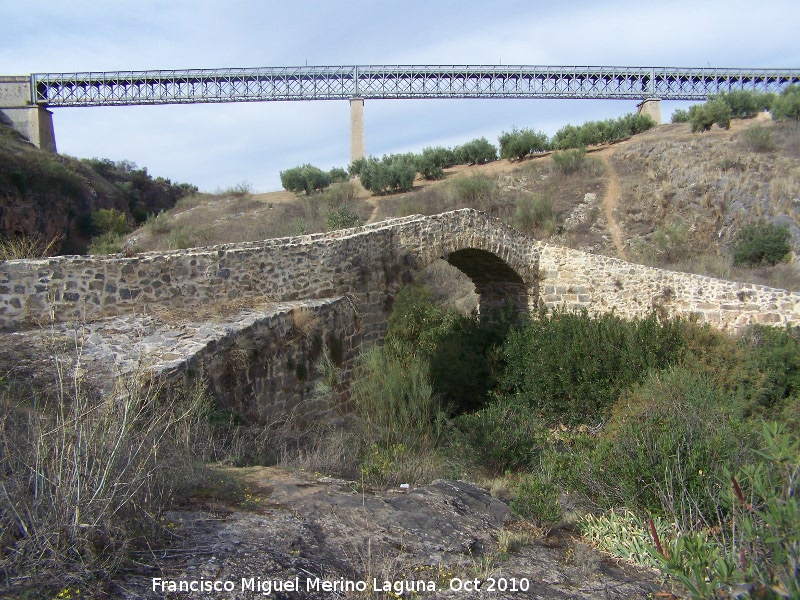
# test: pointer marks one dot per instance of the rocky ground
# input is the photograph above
(298, 535)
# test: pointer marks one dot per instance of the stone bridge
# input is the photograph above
(254, 318)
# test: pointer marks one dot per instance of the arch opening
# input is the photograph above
(497, 284)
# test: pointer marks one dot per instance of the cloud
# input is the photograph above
(220, 145)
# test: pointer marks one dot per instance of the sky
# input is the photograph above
(217, 146)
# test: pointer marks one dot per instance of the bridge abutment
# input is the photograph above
(357, 146)
(652, 108)
(31, 120)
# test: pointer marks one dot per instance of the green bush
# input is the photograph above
(108, 220)
(457, 348)
(432, 162)
(569, 367)
(787, 105)
(342, 217)
(761, 243)
(503, 436)
(757, 550)
(105, 243)
(519, 143)
(305, 178)
(569, 161)
(338, 175)
(355, 167)
(393, 173)
(428, 167)
(666, 446)
(671, 241)
(703, 116)
(601, 132)
(396, 400)
(476, 152)
(536, 498)
(757, 139)
(744, 104)
(534, 212)
(474, 190)
(680, 116)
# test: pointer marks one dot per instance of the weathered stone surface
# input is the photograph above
(259, 363)
(295, 525)
(373, 263)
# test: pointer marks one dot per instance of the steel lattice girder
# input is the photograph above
(335, 83)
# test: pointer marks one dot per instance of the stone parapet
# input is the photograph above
(578, 280)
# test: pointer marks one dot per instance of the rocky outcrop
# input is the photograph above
(314, 537)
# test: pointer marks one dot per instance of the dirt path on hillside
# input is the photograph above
(610, 201)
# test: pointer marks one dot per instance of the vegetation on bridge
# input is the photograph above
(666, 419)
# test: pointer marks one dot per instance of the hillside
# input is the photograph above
(667, 197)
(54, 195)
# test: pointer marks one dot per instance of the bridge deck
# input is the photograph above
(395, 81)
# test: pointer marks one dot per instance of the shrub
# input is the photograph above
(787, 105)
(428, 167)
(355, 167)
(396, 400)
(338, 175)
(393, 173)
(671, 241)
(519, 143)
(570, 367)
(503, 436)
(476, 152)
(703, 116)
(757, 139)
(533, 212)
(668, 442)
(432, 162)
(568, 162)
(27, 246)
(87, 478)
(744, 104)
(761, 243)
(757, 549)
(601, 132)
(474, 190)
(680, 116)
(105, 243)
(536, 498)
(305, 178)
(109, 221)
(342, 218)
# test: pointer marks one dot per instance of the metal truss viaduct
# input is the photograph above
(392, 81)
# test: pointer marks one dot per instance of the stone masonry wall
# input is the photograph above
(371, 262)
(601, 284)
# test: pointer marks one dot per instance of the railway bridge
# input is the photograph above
(25, 101)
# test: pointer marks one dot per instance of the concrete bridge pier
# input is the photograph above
(357, 147)
(651, 107)
(31, 120)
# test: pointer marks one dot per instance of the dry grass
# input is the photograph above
(218, 310)
(86, 476)
(305, 322)
(711, 181)
(209, 219)
(28, 246)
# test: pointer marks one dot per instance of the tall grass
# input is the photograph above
(396, 399)
(87, 476)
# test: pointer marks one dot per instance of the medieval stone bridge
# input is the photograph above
(253, 318)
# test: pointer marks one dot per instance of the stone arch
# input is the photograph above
(497, 284)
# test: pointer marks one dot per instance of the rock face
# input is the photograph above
(311, 531)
